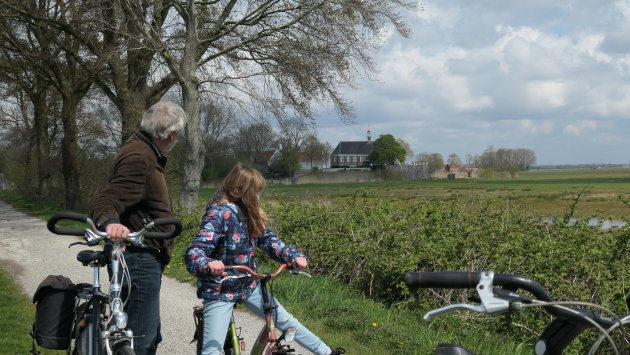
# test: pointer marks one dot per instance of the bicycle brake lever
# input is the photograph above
(485, 290)
(453, 307)
(490, 304)
(77, 243)
(232, 277)
(300, 272)
(137, 241)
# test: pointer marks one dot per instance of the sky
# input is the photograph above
(550, 76)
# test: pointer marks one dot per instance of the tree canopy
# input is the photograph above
(434, 161)
(387, 151)
(506, 159)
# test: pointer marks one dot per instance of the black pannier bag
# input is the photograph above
(54, 313)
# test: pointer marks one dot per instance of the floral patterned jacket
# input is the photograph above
(223, 236)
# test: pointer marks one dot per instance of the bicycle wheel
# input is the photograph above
(622, 344)
(123, 349)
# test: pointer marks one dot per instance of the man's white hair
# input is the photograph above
(163, 118)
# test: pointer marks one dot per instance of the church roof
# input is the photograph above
(354, 148)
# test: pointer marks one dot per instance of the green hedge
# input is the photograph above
(371, 246)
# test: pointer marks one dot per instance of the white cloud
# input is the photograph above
(548, 94)
(526, 126)
(580, 128)
(624, 7)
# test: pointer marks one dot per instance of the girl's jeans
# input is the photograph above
(217, 314)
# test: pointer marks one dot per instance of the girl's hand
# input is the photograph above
(216, 267)
(300, 263)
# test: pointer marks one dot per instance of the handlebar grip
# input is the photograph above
(442, 279)
(166, 221)
(52, 223)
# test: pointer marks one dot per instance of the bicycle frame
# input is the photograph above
(267, 335)
(233, 347)
(93, 320)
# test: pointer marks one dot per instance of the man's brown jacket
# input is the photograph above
(137, 192)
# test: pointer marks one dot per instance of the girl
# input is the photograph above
(231, 229)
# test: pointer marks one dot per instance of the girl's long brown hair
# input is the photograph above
(242, 186)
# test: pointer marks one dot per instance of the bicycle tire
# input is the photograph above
(123, 349)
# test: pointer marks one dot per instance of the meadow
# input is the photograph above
(550, 193)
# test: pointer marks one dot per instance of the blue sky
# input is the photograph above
(551, 76)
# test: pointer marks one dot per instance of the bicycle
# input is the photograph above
(267, 342)
(570, 318)
(100, 322)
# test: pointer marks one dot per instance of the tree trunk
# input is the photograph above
(194, 160)
(132, 106)
(70, 153)
(42, 149)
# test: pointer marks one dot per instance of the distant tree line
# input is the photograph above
(491, 160)
(506, 160)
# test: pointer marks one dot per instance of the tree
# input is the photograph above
(26, 112)
(219, 125)
(97, 42)
(314, 150)
(54, 56)
(470, 159)
(387, 151)
(406, 147)
(434, 161)
(453, 159)
(525, 158)
(252, 139)
(506, 160)
(287, 163)
(294, 132)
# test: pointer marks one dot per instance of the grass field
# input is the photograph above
(547, 192)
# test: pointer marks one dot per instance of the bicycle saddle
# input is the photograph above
(87, 257)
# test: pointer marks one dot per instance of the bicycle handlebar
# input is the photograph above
(98, 235)
(569, 322)
(469, 279)
(265, 276)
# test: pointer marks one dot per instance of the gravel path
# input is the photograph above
(30, 252)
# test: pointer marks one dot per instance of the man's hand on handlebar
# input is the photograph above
(117, 232)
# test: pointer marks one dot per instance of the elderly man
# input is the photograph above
(137, 192)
